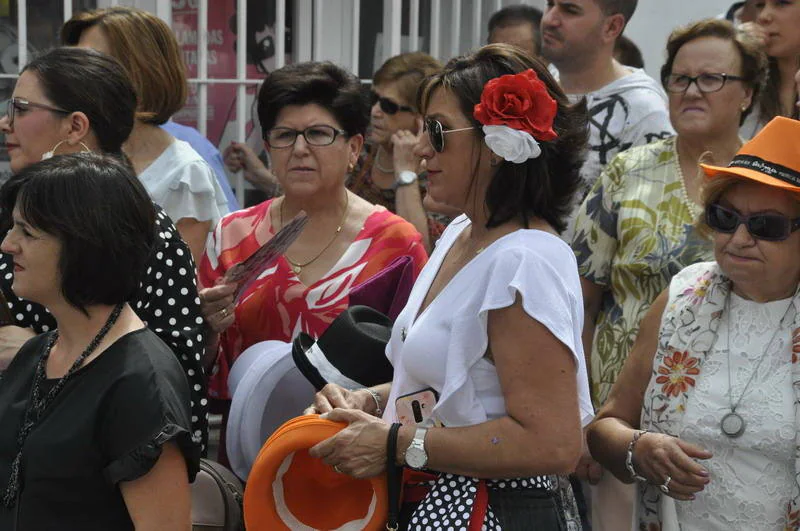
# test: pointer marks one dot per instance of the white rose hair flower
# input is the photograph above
(517, 112)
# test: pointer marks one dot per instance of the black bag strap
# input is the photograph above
(394, 476)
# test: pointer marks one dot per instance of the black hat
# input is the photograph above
(351, 352)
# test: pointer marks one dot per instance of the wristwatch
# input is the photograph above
(404, 178)
(416, 457)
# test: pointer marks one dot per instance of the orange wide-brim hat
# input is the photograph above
(288, 489)
(772, 157)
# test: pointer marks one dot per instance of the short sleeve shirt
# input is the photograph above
(107, 425)
(166, 301)
(635, 230)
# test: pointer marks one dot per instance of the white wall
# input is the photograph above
(655, 19)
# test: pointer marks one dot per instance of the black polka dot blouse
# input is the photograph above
(166, 301)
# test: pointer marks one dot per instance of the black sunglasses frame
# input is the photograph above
(436, 133)
(751, 222)
(387, 105)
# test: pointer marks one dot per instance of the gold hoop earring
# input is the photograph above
(49, 154)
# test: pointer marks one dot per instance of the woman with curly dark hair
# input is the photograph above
(489, 390)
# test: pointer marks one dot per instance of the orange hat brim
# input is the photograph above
(746, 173)
(296, 437)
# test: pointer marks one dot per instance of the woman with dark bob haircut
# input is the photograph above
(313, 118)
(489, 390)
(69, 100)
(95, 414)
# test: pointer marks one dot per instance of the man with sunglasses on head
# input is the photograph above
(703, 415)
(626, 106)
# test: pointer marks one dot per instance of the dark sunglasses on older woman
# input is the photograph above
(770, 227)
(388, 106)
(436, 133)
(12, 106)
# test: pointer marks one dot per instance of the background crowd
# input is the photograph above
(597, 272)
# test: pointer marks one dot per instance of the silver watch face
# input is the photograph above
(416, 457)
(407, 177)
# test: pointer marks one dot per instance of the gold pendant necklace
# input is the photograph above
(297, 268)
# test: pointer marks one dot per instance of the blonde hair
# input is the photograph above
(148, 51)
(408, 71)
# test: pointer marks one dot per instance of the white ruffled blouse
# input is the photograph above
(443, 347)
(182, 183)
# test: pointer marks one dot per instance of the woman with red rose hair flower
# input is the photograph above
(489, 393)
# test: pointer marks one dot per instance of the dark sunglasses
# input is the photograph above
(436, 133)
(388, 106)
(770, 227)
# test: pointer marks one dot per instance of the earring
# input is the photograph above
(49, 154)
(744, 107)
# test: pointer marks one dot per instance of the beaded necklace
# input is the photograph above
(694, 209)
(38, 404)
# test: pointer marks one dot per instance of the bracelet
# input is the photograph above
(629, 456)
(376, 397)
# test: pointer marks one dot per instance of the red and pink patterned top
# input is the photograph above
(278, 306)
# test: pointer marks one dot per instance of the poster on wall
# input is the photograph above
(222, 45)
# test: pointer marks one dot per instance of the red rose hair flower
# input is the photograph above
(519, 101)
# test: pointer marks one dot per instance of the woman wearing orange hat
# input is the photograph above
(489, 390)
(705, 409)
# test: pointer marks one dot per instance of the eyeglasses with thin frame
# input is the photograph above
(387, 105)
(11, 106)
(436, 133)
(316, 135)
(708, 82)
(769, 227)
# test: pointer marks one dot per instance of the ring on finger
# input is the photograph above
(224, 312)
(665, 486)
(336, 468)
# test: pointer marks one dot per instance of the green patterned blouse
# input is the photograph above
(634, 231)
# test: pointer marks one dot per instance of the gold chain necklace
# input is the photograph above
(296, 267)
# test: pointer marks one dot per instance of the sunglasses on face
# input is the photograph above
(769, 227)
(14, 105)
(436, 133)
(388, 106)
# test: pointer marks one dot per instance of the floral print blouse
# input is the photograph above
(635, 230)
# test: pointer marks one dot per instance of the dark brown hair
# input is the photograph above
(321, 83)
(407, 71)
(754, 62)
(147, 49)
(542, 187)
(87, 81)
(102, 215)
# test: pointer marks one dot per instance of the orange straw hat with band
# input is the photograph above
(288, 489)
(772, 157)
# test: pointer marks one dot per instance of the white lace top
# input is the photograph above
(751, 476)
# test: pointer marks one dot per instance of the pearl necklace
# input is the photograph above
(378, 164)
(694, 209)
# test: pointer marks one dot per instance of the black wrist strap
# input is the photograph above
(394, 478)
